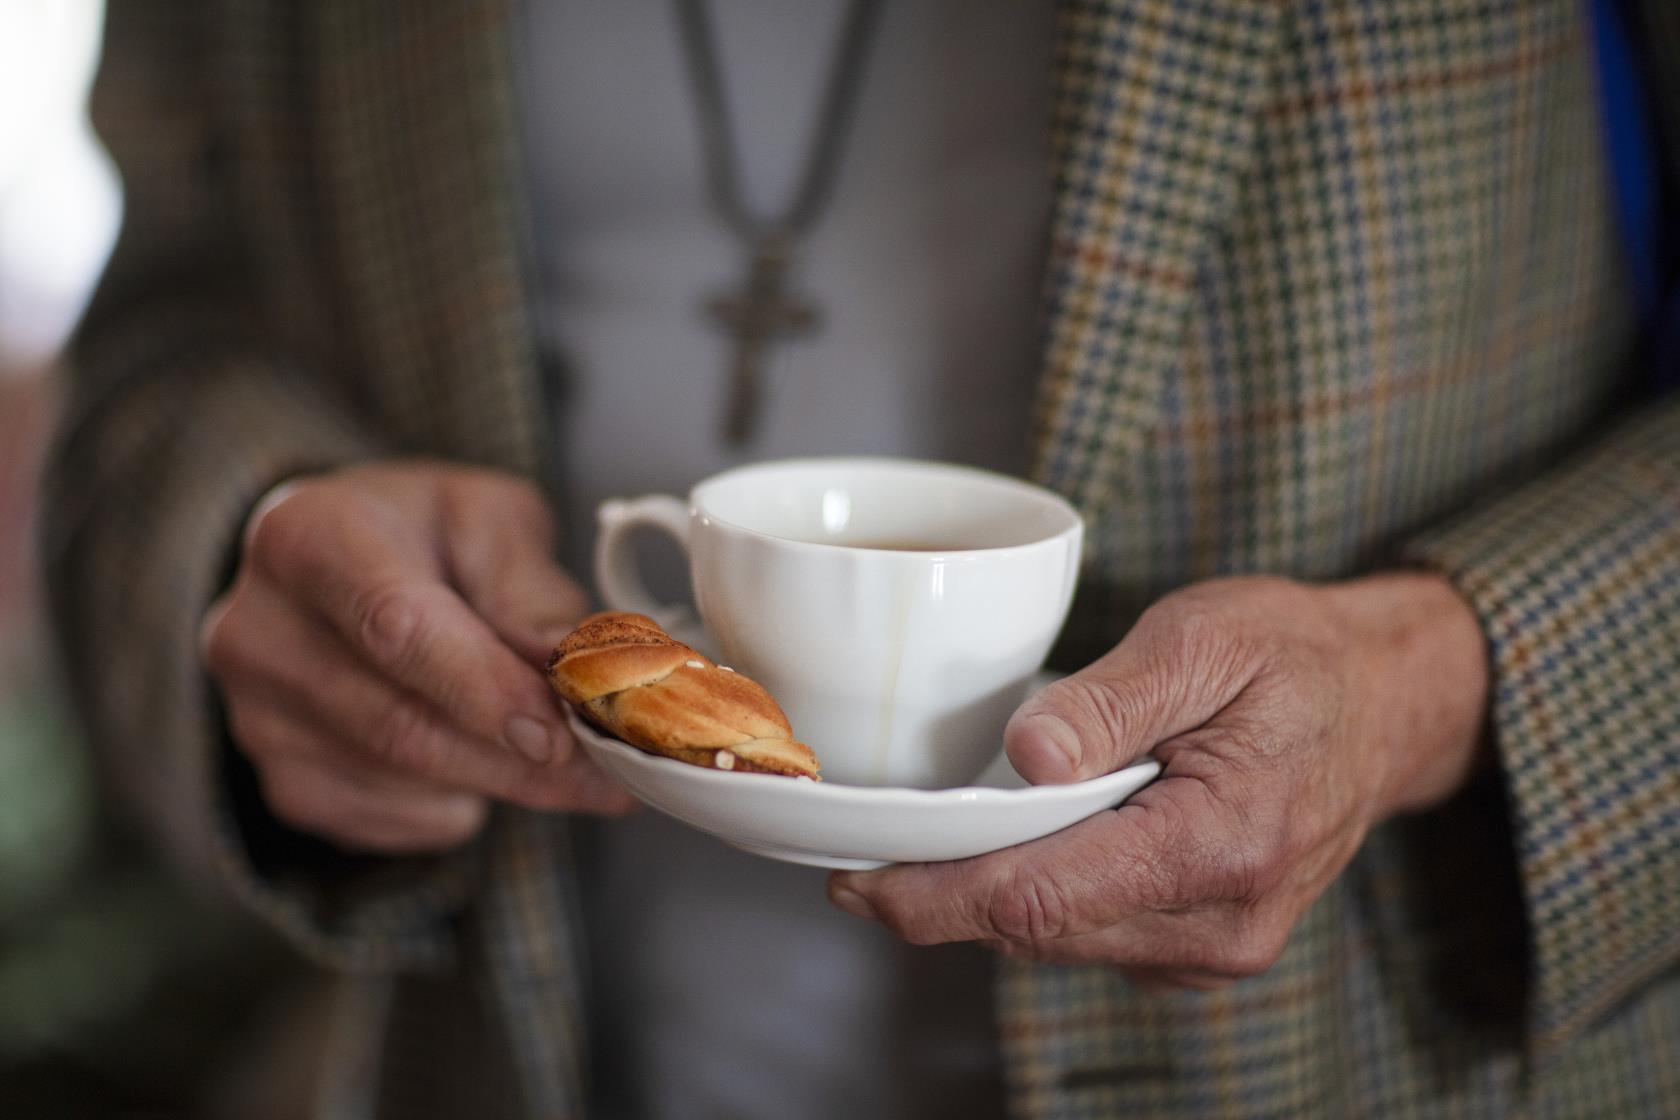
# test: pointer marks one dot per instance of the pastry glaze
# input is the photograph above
(637, 683)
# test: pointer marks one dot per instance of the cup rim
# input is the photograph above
(1075, 523)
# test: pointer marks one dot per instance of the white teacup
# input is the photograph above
(896, 609)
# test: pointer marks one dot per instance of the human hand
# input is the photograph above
(1288, 719)
(378, 656)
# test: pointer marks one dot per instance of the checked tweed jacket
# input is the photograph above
(1331, 285)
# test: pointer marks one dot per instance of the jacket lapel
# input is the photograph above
(423, 200)
(1153, 126)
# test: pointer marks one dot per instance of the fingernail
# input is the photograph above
(851, 902)
(530, 738)
(1045, 743)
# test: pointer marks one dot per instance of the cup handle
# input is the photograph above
(615, 565)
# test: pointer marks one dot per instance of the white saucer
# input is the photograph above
(857, 827)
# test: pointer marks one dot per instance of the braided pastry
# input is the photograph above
(639, 684)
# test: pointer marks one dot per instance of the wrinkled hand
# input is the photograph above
(378, 651)
(1288, 719)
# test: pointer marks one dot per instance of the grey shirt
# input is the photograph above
(724, 984)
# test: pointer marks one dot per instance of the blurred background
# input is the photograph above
(121, 994)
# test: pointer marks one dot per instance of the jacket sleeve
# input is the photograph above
(182, 410)
(1576, 578)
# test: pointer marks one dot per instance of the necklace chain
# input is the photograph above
(761, 312)
(720, 149)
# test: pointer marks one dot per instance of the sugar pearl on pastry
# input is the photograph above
(693, 664)
(724, 761)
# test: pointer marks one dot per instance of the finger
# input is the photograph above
(383, 592)
(1171, 674)
(499, 548)
(317, 785)
(272, 732)
(362, 813)
(403, 732)
(1173, 847)
(275, 722)
(1080, 880)
(277, 657)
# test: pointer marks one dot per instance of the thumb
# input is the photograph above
(503, 564)
(1141, 693)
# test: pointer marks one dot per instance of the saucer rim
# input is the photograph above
(909, 797)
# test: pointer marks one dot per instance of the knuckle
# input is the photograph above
(906, 925)
(1161, 873)
(389, 621)
(1028, 909)
(1243, 870)
(1195, 635)
(515, 500)
(1200, 626)
(526, 502)
(1102, 706)
(1242, 878)
(1189, 623)
(403, 738)
(1118, 702)
(914, 914)
(906, 922)
(1159, 886)
(1167, 885)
